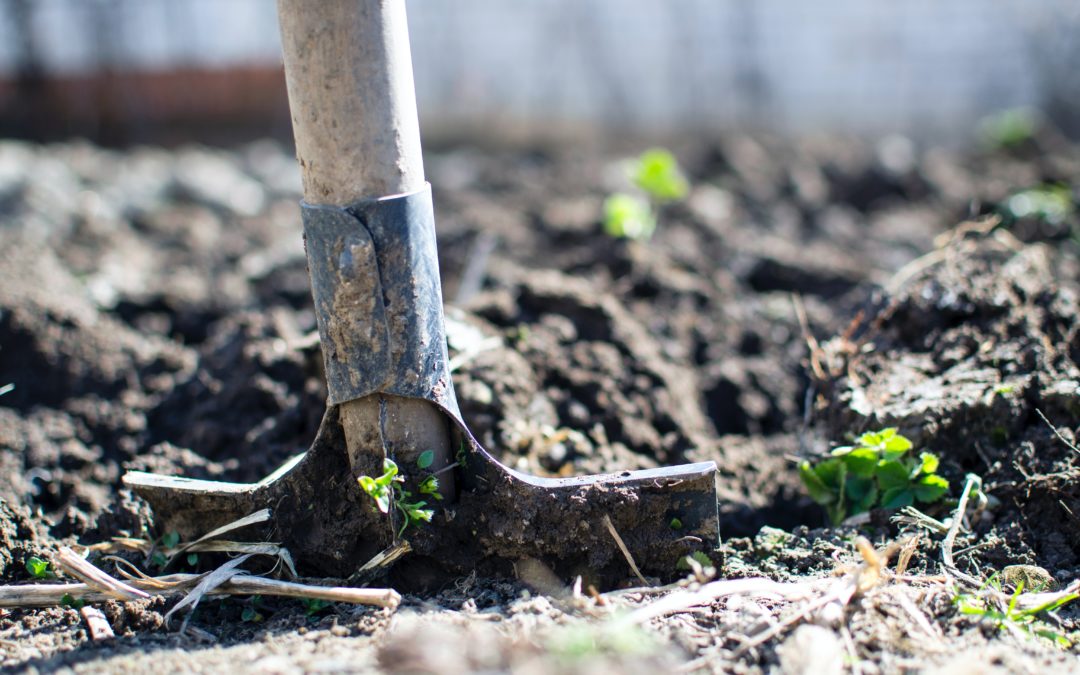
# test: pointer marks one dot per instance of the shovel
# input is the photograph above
(370, 240)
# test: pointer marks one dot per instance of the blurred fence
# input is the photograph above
(928, 68)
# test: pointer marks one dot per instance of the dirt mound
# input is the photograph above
(976, 359)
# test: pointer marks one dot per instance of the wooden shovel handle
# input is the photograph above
(349, 75)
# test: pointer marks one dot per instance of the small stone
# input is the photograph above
(811, 650)
(1033, 577)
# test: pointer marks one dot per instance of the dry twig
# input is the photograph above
(74, 565)
(1057, 432)
(622, 547)
(972, 482)
(96, 624)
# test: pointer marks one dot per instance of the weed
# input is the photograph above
(697, 556)
(169, 540)
(39, 568)
(383, 491)
(425, 459)
(1011, 616)
(656, 174)
(875, 472)
(313, 606)
(68, 600)
(628, 216)
(1008, 129)
(1004, 389)
(251, 612)
(1051, 203)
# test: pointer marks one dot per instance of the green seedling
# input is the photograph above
(697, 556)
(313, 606)
(876, 472)
(251, 613)
(430, 486)
(657, 173)
(1051, 203)
(68, 600)
(658, 179)
(1008, 129)
(1013, 618)
(39, 568)
(169, 540)
(382, 491)
(425, 459)
(628, 216)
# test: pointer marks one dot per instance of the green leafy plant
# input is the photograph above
(1008, 128)
(39, 568)
(1051, 203)
(628, 216)
(656, 174)
(68, 600)
(425, 459)
(697, 556)
(383, 491)
(1011, 616)
(313, 606)
(877, 471)
(169, 540)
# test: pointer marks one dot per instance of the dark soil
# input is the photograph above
(155, 314)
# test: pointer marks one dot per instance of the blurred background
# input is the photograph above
(166, 71)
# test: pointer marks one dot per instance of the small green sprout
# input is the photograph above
(628, 216)
(170, 539)
(313, 606)
(382, 490)
(68, 600)
(38, 568)
(1008, 128)
(657, 172)
(1050, 203)
(192, 559)
(658, 178)
(675, 524)
(875, 472)
(425, 459)
(430, 486)
(1013, 618)
(697, 556)
(461, 456)
(251, 612)
(1004, 389)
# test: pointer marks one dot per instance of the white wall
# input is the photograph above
(926, 67)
